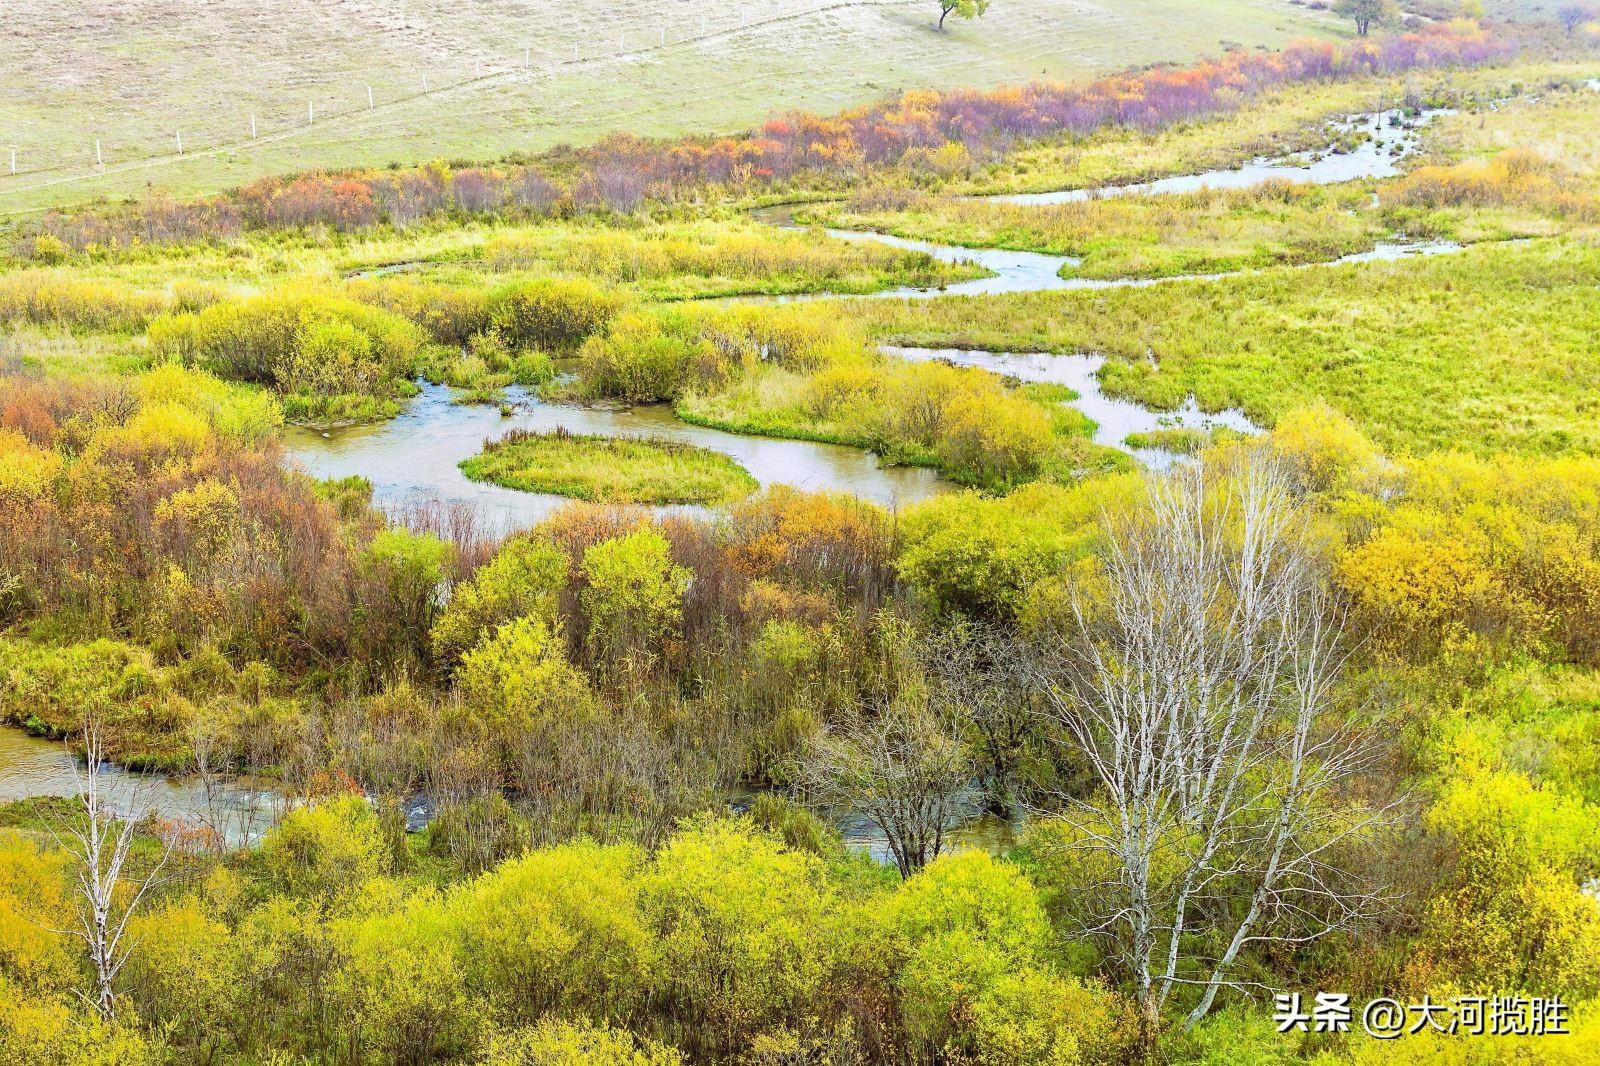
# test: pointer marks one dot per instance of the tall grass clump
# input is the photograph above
(643, 470)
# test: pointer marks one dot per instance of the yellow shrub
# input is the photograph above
(26, 472)
(162, 427)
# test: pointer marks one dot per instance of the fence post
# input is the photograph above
(252, 125)
(13, 160)
(180, 141)
(370, 104)
(311, 112)
(99, 160)
(527, 57)
(424, 81)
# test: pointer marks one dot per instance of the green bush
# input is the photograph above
(324, 851)
(524, 579)
(558, 929)
(553, 315)
(296, 341)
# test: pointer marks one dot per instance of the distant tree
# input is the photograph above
(1366, 12)
(1574, 15)
(961, 9)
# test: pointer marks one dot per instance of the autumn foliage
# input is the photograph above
(921, 129)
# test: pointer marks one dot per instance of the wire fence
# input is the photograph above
(327, 107)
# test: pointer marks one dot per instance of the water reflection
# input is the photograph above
(415, 455)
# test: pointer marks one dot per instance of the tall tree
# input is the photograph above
(1199, 679)
(1367, 12)
(961, 9)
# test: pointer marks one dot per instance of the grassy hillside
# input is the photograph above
(135, 75)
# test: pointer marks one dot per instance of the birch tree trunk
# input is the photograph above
(1200, 682)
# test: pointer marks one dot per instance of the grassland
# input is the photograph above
(723, 255)
(134, 75)
(690, 260)
(611, 469)
(1491, 349)
(1560, 126)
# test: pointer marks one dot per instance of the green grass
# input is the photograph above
(1559, 125)
(611, 469)
(695, 258)
(1489, 349)
(1184, 440)
(72, 71)
(1142, 236)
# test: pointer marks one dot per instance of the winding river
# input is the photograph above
(414, 456)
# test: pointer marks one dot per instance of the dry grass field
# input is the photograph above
(501, 76)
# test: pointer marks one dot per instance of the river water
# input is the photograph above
(1390, 136)
(1114, 419)
(416, 455)
(238, 811)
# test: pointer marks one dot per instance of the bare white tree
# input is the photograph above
(1199, 680)
(100, 841)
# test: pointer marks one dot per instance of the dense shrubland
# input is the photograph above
(571, 696)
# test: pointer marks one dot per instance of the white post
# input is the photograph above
(13, 160)
(252, 125)
(702, 27)
(663, 37)
(477, 69)
(622, 42)
(424, 81)
(311, 112)
(370, 104)
(527, 57)
(180, 141)
(574, 52)
(99, 160)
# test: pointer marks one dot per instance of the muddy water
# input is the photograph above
(415, 456)
(238, 811)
